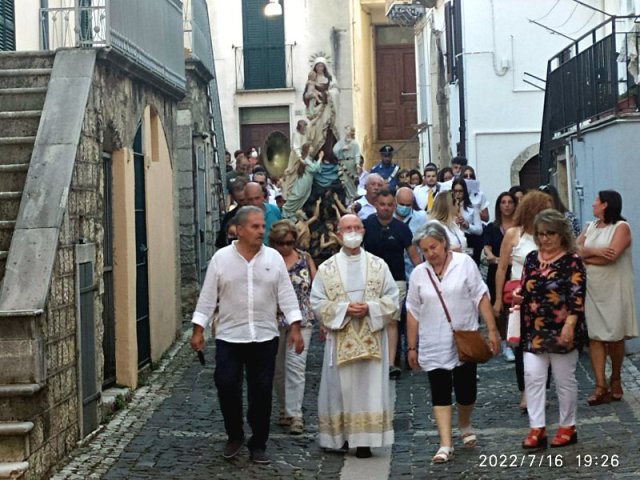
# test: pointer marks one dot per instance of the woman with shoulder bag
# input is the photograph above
(517, 243)
(445, 293)
(553, 326)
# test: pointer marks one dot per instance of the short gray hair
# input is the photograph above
(432, 229)
(240, 218)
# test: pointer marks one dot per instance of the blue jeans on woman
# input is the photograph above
(259, 360)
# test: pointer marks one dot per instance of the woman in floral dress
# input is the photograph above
(289, 377)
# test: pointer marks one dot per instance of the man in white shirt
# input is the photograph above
(355, 297)
(240, 280)
(366, 205)
(426, 193)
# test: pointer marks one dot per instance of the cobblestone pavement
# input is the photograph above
(173, 429)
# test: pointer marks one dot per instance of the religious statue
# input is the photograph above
(347, 151)
(300, 188)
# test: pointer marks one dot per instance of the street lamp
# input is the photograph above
(273, 8)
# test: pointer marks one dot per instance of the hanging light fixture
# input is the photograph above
(273, 8)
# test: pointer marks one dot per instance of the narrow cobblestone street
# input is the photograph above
(173, 429)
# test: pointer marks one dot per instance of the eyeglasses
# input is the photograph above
(468, 176)
(458, 190)
(546, 234)
(286, 243)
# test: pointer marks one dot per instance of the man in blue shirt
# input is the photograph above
(388, 238)
(254, 195)
(386, 168)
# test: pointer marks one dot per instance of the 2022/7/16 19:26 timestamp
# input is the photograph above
(602, 460)
(583, 460)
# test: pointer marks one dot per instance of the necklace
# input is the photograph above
(545, 261)
(440, 274)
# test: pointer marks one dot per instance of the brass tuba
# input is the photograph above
(275, 153)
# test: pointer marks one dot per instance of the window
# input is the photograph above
(263, 47)
(7, 25)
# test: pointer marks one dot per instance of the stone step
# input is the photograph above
(16, 150)
(13, 176)
(19, 390)
(24, 77)
(18, 99)
(9, 205)
(6, 233)
(4, 254)
(20, 124)
(14, 441)
(13, 469)
(31, 59)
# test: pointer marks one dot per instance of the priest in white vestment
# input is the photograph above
(354, 296)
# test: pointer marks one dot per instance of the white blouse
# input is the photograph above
(462, 289)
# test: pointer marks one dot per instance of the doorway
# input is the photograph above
(142, 281)
(396, 96)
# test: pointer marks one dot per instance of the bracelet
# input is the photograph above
(411, 349)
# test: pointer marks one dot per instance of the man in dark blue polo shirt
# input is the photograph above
(388, 238)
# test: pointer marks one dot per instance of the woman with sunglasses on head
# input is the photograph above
(289, 377)
(553, 329)
(610, 307)
(468, 218)
(445, 212)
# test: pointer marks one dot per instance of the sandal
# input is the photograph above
(443, 455)
(297, 426)
(469, 439)
(565, 436)
(536, 438)
(616, 389)
(283, 420)
(599, 396)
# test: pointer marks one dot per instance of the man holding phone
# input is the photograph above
(241, 280)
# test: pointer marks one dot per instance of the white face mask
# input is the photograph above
(352, 239)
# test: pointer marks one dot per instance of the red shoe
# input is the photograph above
(565, 436)
(536, 438)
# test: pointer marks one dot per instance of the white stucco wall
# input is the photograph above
(503, 113)
(27, 25)
(308, 25)
(606, 159)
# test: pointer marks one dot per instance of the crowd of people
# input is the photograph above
(402, 274)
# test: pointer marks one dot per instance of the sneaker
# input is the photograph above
(260, 456)
(394, 372)
(232, 448)
(508, 354)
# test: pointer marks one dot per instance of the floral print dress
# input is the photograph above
(301, 280)
(552, 293)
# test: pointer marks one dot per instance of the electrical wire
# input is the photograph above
(585, 24)
(575, 7)
(547, 14)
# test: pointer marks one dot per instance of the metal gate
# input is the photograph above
(142, 282)
(201, 210)
(90, 393)
(108, 317)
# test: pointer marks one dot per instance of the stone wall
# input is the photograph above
(113, 114)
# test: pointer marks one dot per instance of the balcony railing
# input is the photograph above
(586, 80)
(264, 67)
(147, 32)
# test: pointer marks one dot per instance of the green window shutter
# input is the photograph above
(7, 25)
(263, 47)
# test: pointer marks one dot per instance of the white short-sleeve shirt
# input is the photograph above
(462, 289)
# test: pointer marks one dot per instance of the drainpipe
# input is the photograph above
(462, 151)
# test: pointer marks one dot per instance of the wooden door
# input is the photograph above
(396, 91)
(255, 135)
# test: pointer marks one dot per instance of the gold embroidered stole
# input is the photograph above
(356, 341)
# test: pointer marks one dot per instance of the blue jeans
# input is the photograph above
(259, 360)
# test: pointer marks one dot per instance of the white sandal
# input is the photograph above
(443, 455)
(469, 438)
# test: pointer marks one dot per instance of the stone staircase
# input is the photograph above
(23, 86)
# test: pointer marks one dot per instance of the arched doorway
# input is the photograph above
(530, 173)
